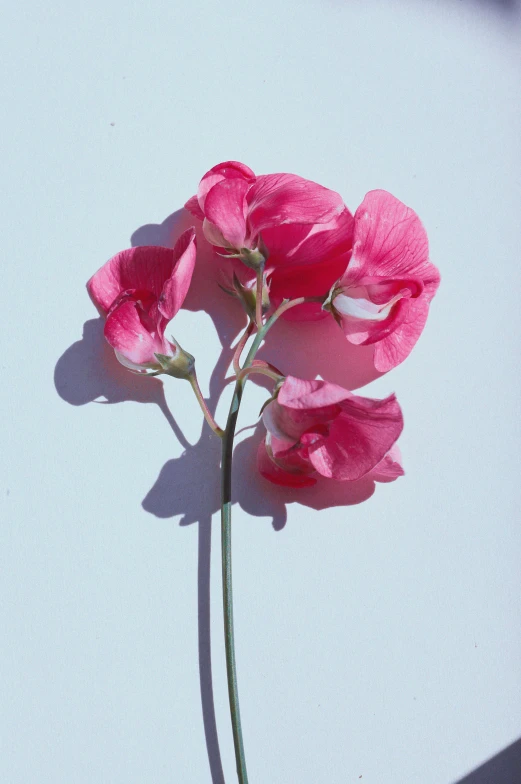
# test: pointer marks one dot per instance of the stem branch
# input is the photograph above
(204, 408)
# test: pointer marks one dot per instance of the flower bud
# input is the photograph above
(180, 364)
(248, 296)
(253, 259)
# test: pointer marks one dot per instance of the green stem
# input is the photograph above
(226, 538)
(258, 296)
(204, 408)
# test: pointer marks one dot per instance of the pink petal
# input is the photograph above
(397, 346)
(144, 268)
(192, 205)
(228, 170)
(225, 208)
(214, 236)
(275, 199)
(390, 468)
(299, 393)
(133, 334)
(389, 280)
(358, 439)
(360, 328)
(301, 405)
(177, 284)
(274, 473)
(389, 240)
(321, 242)
(306, 260)
(311, 280)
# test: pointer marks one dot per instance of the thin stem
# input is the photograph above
(258, 296)
(226, 521)
(240, 347)
(264, 371)
(204, 408)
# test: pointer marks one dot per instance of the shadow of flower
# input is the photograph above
(89, 372)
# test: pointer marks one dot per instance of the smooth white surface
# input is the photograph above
(377, 642)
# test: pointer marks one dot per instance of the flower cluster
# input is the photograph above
(294, 250)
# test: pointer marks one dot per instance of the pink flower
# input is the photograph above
(317, 429)
(139, 291)
(302, 230)
(383, 297)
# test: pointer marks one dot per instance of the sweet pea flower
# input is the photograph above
(384, 294)
(299, 231)
(318, 429)
(139, 291)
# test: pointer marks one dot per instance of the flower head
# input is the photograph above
(384, 294)
(320, 429)
(139, 291)
(299, 231)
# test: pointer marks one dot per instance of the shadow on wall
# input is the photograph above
(88, 370)
(504, 768)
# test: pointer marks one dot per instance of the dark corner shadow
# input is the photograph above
(504, 768)
(189, 485)
(502, 5)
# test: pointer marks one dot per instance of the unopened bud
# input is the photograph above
(180, 364)
(253, 259)
(248, 296)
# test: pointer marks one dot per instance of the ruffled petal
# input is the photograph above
(276, 474)
(385, 292)
(301, 405)
(389, 240)
(276, 199)
(225, 208)
(192, 205)
(303, 394)
(177, 284)
(306, 261)
(229, 170)
(358, 439)
(143, 268)
(393, 349)
(133, 333)
(390, 468)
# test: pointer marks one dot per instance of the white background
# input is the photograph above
(377, 642)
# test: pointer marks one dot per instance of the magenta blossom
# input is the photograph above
(139, 291)
(317, 429)
(301, 230)
(384, 294)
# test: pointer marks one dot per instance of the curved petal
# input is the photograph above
(192, 205)
(389, 240)
(214, 236)
(311, 280)
(306, 261)
(275, 199)
(146, 267)
(228, 170)
(301, 405)
(177, 284)
(358, 439)
(133, 334)
(299, 393)
(276, 474)
(389, 282)
(397, 346)
(326, 240)
(225, 208)
(390, 468)
(363, 322)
